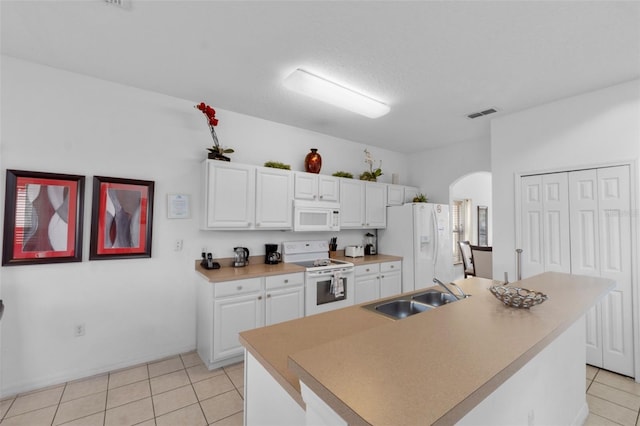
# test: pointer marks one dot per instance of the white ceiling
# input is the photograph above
(433, 62)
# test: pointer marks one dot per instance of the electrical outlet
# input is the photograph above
(178, 245)
(79, 330)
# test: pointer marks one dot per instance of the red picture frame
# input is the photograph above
(121, 218)
(42, 218)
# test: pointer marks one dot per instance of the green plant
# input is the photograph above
(277, 165)
(420, 198)
(343, 175)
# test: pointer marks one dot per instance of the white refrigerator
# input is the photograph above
(421, 234)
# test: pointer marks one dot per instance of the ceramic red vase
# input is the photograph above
(313, 161)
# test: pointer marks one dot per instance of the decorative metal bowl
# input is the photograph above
(517, 297)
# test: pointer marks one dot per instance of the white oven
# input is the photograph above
(328, 283)
(329, 289)
(316, 216)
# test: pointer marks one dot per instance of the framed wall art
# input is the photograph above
(42, 218)
(121, 218)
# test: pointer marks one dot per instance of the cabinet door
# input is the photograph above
(228, 195)
(274, 197)
(375, 205)
(351, 203)
(367, 288)
(284, 304)
(233, 315)
(305, 186)
(390, 284)
(328, 188)
(395, 195)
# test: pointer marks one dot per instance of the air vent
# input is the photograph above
(482, 113)
(123, 4)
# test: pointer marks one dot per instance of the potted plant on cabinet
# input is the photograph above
(216, 152)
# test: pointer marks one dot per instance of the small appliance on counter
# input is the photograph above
(370, 244)
(241, 256)
(207, 261)
(354, 251)
(271, 255)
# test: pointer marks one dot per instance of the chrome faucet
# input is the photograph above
(463, 295)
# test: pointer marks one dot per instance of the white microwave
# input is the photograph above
(316, 216)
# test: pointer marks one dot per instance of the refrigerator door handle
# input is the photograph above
(436, 242)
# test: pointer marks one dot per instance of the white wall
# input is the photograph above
(138, 309)
(436, 169)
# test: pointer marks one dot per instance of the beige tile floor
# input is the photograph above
(612, 399)
(173, 391)
(181, 391)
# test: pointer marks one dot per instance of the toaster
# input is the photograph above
(354, 251)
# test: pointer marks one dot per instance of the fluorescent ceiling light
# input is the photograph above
(309, 84)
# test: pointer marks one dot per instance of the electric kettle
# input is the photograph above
(241, 257)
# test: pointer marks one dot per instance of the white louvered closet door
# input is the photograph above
(545, 224)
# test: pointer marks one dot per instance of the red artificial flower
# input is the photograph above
(209, 112)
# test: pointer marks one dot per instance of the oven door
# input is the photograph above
(328, 290)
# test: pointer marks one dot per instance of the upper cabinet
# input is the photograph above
(310, 186)
(362, 204)
(244, 197)
(274, 198)
(229, 195)
(239, 196)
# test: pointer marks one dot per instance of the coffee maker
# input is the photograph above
(271, 255)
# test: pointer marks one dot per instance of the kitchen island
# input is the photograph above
(474, 361)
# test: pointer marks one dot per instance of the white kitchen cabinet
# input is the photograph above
(311, 186)
(579, 222)
(227, 308)
(284, 298)
(274, 198)
(362, 204)
(237, 306)
(229, 195)
(377, 280)
(395, 195)
(367, 282)
(390, 278)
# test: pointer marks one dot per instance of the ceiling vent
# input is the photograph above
(482, 113)
(123, 4)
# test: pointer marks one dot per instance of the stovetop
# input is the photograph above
(313, 255)
(322, 263)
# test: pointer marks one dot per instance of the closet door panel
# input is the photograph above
(555, 205)
(615, 263)
(532, 233)
(583, 203)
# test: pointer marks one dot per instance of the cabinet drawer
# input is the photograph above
(279, 281)
(231, 288)
(391, 266)
(371, 268)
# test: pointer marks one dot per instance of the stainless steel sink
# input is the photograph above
(434, 298)
(401, 308)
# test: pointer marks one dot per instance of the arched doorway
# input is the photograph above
(466, 195)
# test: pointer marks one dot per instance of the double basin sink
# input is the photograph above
(407, 305)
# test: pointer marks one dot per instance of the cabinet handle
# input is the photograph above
(314, 197)
(257, 224)
(268, 296)
(286, 281)
(321, 197)
(367, 270)
(239, 288)
(259, 297)
(381, 276)
(392, 266)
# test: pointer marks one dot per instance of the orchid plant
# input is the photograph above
(372, 175)
(216, 151)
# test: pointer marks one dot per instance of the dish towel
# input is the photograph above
(337, 284)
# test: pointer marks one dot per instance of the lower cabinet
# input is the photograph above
(377, 280)
(225, 309)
